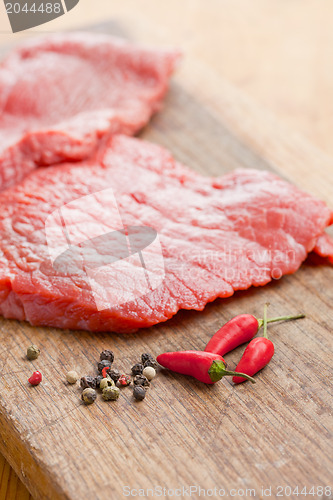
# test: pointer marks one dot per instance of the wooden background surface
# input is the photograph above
(280, 54)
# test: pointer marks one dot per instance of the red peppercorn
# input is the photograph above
(124, 380)
(35, 378)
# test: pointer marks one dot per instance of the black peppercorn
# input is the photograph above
(145, 357)
(141, 380)
(107, 355)
(137, 369)
(114, 374)
(98, 380)
(103, 364)
(151, 362)
(88, 381)
(139, 393)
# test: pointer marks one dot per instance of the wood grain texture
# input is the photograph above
(11, 488)
(276, 432)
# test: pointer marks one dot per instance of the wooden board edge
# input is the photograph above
(15, 446)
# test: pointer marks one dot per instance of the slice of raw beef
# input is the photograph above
(60, 94)
(80, 242)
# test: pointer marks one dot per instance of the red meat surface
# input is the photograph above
(61, 94)
(217, 235)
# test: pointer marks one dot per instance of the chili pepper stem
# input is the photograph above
(280, 318)
(265, 321)
(217, 371)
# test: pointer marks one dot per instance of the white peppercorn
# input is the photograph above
(149, 372)
(72, 377)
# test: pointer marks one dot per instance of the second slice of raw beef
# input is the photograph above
(61, 94)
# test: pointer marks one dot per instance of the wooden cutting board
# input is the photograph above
(273, 434)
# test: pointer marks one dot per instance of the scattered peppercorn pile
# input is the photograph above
(109, 380)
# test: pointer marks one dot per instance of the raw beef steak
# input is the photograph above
(60, 94)
(217, 235)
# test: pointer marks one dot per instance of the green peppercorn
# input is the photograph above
(111, 393)
(139, 393)
(105, 363)
(149, 372)
(88, 381)
(106, 382)
(141, 380)
(107, 355)
(137, 369)
(72, 377)
(33, 352)
(89, 395)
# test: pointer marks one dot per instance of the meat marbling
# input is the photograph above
(61, 94)
(217, 235)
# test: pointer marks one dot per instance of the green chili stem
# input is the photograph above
(265, 321)
(280, 318)
(218, 370)
(238, 374)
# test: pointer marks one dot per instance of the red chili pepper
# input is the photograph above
(239, 330)
(257, 354)
(204, 366)
(35, 378)
(104, 371)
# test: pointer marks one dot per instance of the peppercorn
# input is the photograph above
(124, 380)
(137, 369)
(152, 363)
(110, 393)
(89, 395)
(33, 352)
(88, 381)
(145, 357)
(35, 378)
(72, 377)
(105, 363)
(98, 379)
(107, 355)
(149, 372)
(106, 382)
(139, 393)
(114, 374)
(141, 380)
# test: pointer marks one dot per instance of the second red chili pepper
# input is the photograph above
(257, 354)
(239, 330)
(204, 366)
